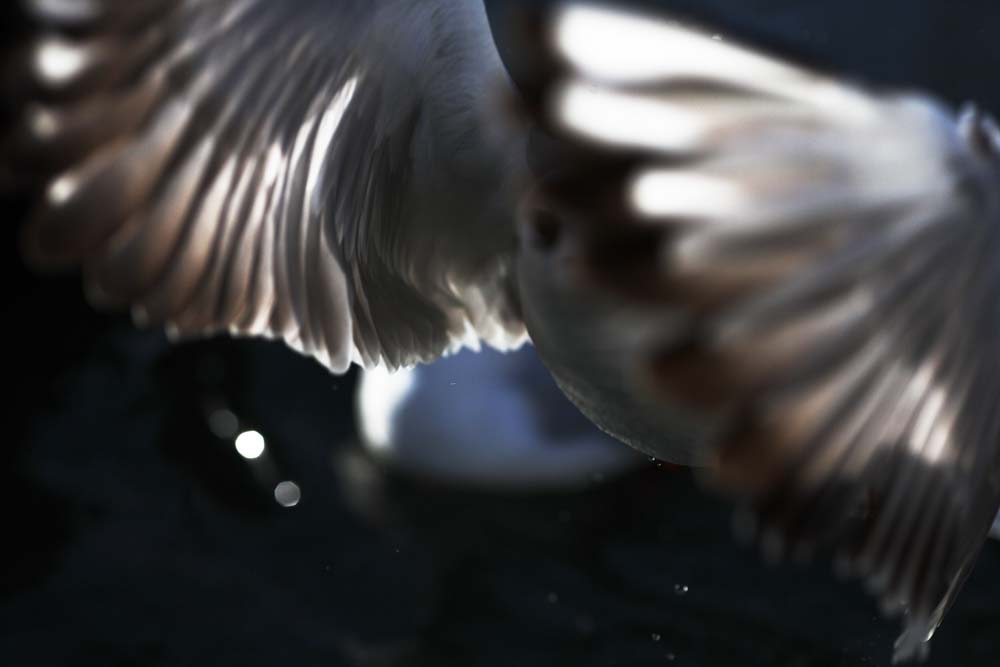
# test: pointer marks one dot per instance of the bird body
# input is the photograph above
(570, 323)
(724, 259)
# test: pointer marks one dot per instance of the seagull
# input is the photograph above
(725, 259)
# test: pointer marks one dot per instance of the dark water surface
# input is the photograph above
(132, 535)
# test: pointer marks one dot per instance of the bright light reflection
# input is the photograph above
(928, 443)
(58, 62)
(327, 130)
(250, 445)
(614, 46)
(628, 120)
(62, 189)
(288, 494)
(687, 194)
(380, 396)
(930, 436)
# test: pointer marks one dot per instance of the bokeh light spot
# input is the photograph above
(250, 444)
(287, 494)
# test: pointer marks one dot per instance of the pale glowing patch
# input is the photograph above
(67, 10)
(664, 193)
(58, 62)
(379, 397)
(62, 189)
(937, 449)
(250, 445)
(223, 423)
(273, 164)
(43, 123)
(929, 436)
(628, 120)
(287, 494)
(919, 384)
(926, 440)
(614, 46)
(234, 14)
(327, 130)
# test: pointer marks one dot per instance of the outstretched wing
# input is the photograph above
(830, 262)
(320, 172)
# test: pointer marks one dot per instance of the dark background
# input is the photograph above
(131, 535)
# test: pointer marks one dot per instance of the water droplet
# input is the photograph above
(552, 598)
(670, 657)
(681, 589)
(656, 636)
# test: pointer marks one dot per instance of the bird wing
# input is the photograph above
(318, 172)
(827, 256)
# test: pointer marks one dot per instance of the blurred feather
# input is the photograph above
(828, 253)
(274, 170)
